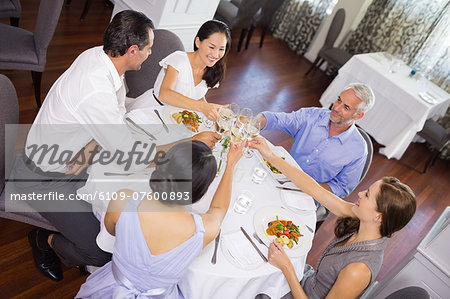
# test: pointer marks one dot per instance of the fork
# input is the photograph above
(281, 182)
(259, 239)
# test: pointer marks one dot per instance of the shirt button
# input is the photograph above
(307, 161)
(317, 150)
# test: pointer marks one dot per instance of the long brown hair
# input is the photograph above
(395, 201)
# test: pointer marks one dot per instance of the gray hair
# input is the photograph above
(365, 94)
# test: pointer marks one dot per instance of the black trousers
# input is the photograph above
(75, 243)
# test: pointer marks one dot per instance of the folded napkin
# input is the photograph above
(144, 116)
(241, 250)
(298, 202)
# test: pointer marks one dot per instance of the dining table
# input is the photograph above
(404, 99)
(239, 271)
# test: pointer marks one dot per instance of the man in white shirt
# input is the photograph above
(83, 111)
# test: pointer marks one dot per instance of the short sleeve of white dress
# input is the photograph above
(185, 81)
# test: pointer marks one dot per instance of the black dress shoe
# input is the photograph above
(45, 258)
(83, 270)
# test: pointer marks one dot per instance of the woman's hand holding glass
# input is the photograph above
(261, 145)
(234, 154)
(210, 110)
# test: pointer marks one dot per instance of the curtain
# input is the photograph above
(297, 21)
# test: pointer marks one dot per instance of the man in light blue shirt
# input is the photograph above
(327, 145)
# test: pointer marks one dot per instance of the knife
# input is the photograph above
(216, 244)
(164, 124)
(140, 128)
(254, 245)
(287, 188)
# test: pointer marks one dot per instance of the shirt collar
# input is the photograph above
(344, 136)
(117, 80)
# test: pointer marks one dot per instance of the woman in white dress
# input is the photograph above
(185, 77)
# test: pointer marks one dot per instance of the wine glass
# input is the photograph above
(226, 115)
(244, 117)
(237, 132)
(252, 128)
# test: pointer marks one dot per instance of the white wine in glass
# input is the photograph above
(237, 135)
(222, 126)
(251, 130)
(226, 113)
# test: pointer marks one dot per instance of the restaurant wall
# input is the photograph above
(354, 12)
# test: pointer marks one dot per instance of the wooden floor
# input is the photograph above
(270, 78)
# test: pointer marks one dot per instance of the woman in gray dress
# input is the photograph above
(352, 260)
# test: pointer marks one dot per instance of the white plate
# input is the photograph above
(167, 112)
(281, 152)
(428, 97)
(233, 261)
(267, 214)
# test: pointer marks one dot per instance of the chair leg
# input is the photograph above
(249, 36)
(241, 39)
(431, 161)
(14, 21)
(314, 65)
(263, 34)
(37, 76)
(87, 4)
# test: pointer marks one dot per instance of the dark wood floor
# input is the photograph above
(270, 78)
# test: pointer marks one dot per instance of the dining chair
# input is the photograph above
(437, 136)
(9, 114)
(238, 14)
(11, 9)
(165, 43)
(263, 19)
(87, 5)
(23, 50)
(334, 56)
(411, 292)
(322, 213)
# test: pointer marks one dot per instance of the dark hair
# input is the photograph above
(188, 167)
(215, 73)
(395, 201)
(126, 29)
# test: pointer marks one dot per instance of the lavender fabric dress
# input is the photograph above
(134, 272)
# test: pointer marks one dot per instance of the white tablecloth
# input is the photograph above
(203, 279)
(399, 113)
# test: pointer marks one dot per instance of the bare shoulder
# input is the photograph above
(121, 199)
(115, 207)
(356, 271)
(351, 281)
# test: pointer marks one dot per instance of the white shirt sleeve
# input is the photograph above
(177, 60)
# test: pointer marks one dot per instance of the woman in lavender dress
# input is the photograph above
(156, 240)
